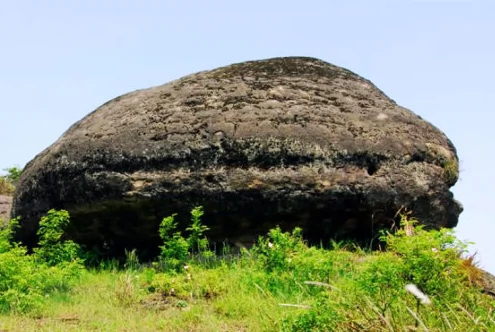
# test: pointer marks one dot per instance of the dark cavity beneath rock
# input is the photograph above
(289, 141)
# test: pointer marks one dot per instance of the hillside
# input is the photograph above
(423, 281)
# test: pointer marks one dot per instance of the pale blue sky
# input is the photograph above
(59, 60)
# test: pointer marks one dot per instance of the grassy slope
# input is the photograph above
(113, 302)
(263, 289)
(245, 293)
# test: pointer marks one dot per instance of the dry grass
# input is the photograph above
(6, 188)
(473, 272)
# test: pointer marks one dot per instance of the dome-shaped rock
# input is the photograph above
(283, 141)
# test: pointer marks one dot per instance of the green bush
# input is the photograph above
(374, 296)
(176, 249)
(197, 242)
(53, 249)
(6, 234)
(28, 280)
(276, 250)
(428, 259)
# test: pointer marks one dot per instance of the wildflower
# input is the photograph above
(414, 290)
(434, 249)
(270, 245)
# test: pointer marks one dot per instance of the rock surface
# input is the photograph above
(5, 207)
(283, 141)
(488, 283)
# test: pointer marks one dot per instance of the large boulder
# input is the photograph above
(283, 141)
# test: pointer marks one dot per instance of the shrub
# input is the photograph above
(176, 250)
(429, 259)
(27, 280)
(6, 234)
(53, 249)
(197, 242)
(375, 296)
(275, 251)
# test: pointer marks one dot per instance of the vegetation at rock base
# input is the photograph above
(422, 282)
(27, 281)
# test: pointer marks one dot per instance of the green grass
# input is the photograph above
(242, 296)
(281, 284)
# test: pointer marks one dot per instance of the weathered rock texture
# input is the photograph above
(288, 141)
(5, 207)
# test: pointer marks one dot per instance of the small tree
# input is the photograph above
(13, 174)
